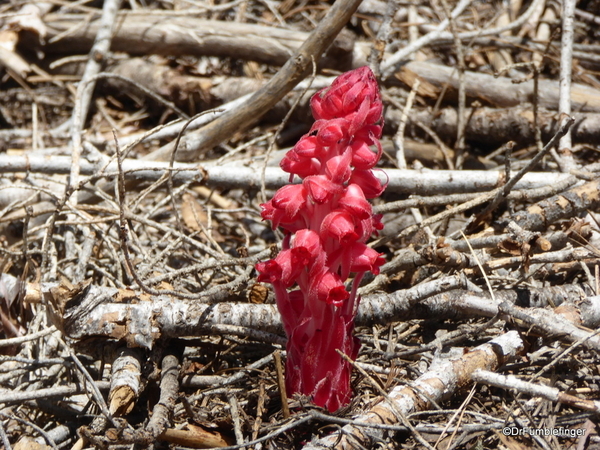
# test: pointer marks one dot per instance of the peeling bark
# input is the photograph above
(125, 382)
(564, 206)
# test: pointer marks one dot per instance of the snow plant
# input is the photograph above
(327, 221)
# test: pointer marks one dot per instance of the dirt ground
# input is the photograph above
(138, 139)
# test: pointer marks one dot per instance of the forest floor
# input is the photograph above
(137, 142)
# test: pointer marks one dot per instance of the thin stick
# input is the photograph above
(562, 355)
(235, 416)
(566, 161)
(85, 89)
(438, 34)
(4, 438)
(439, 217)
(82, 101)
(460, 413)
(94, 391)
(283, 123)
(38, 429)
(378, 49)
(535, 390)
(27, 338)
(461, 122)
(281, 383)
(169, 174)
(169, 386)
(388, 67)
(487, 280)
(399, 136)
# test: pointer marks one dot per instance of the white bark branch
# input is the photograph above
(534, 390)
(566, 63)
(500, 92)
(419, 182)
(151, 318)
(125, 383)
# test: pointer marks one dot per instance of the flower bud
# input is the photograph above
(307, 147)
(292, 198)
(298, 165)
(310, 241)
(329, 288)
(363, 158)
(339, 225)
(369, 183)
(353, 200)
(333, 131)
(338, 168)
(321, 189)
(364, 259)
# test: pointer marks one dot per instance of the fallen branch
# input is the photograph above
(493, 126)
(500, 92)
(425, 182)
(12, 396)
(151, 318)
(566, 205)
(534, 390)
(169, 391)
(125, 382)
(141, 33)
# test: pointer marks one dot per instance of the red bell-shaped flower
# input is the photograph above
(363, 158)
(328, 287)
(363, 258)
(302, 166)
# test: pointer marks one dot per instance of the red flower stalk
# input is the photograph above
(327, 220)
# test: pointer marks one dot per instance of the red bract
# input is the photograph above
(327, 287)
(363, 157)
(338, 169)
(327, 221)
